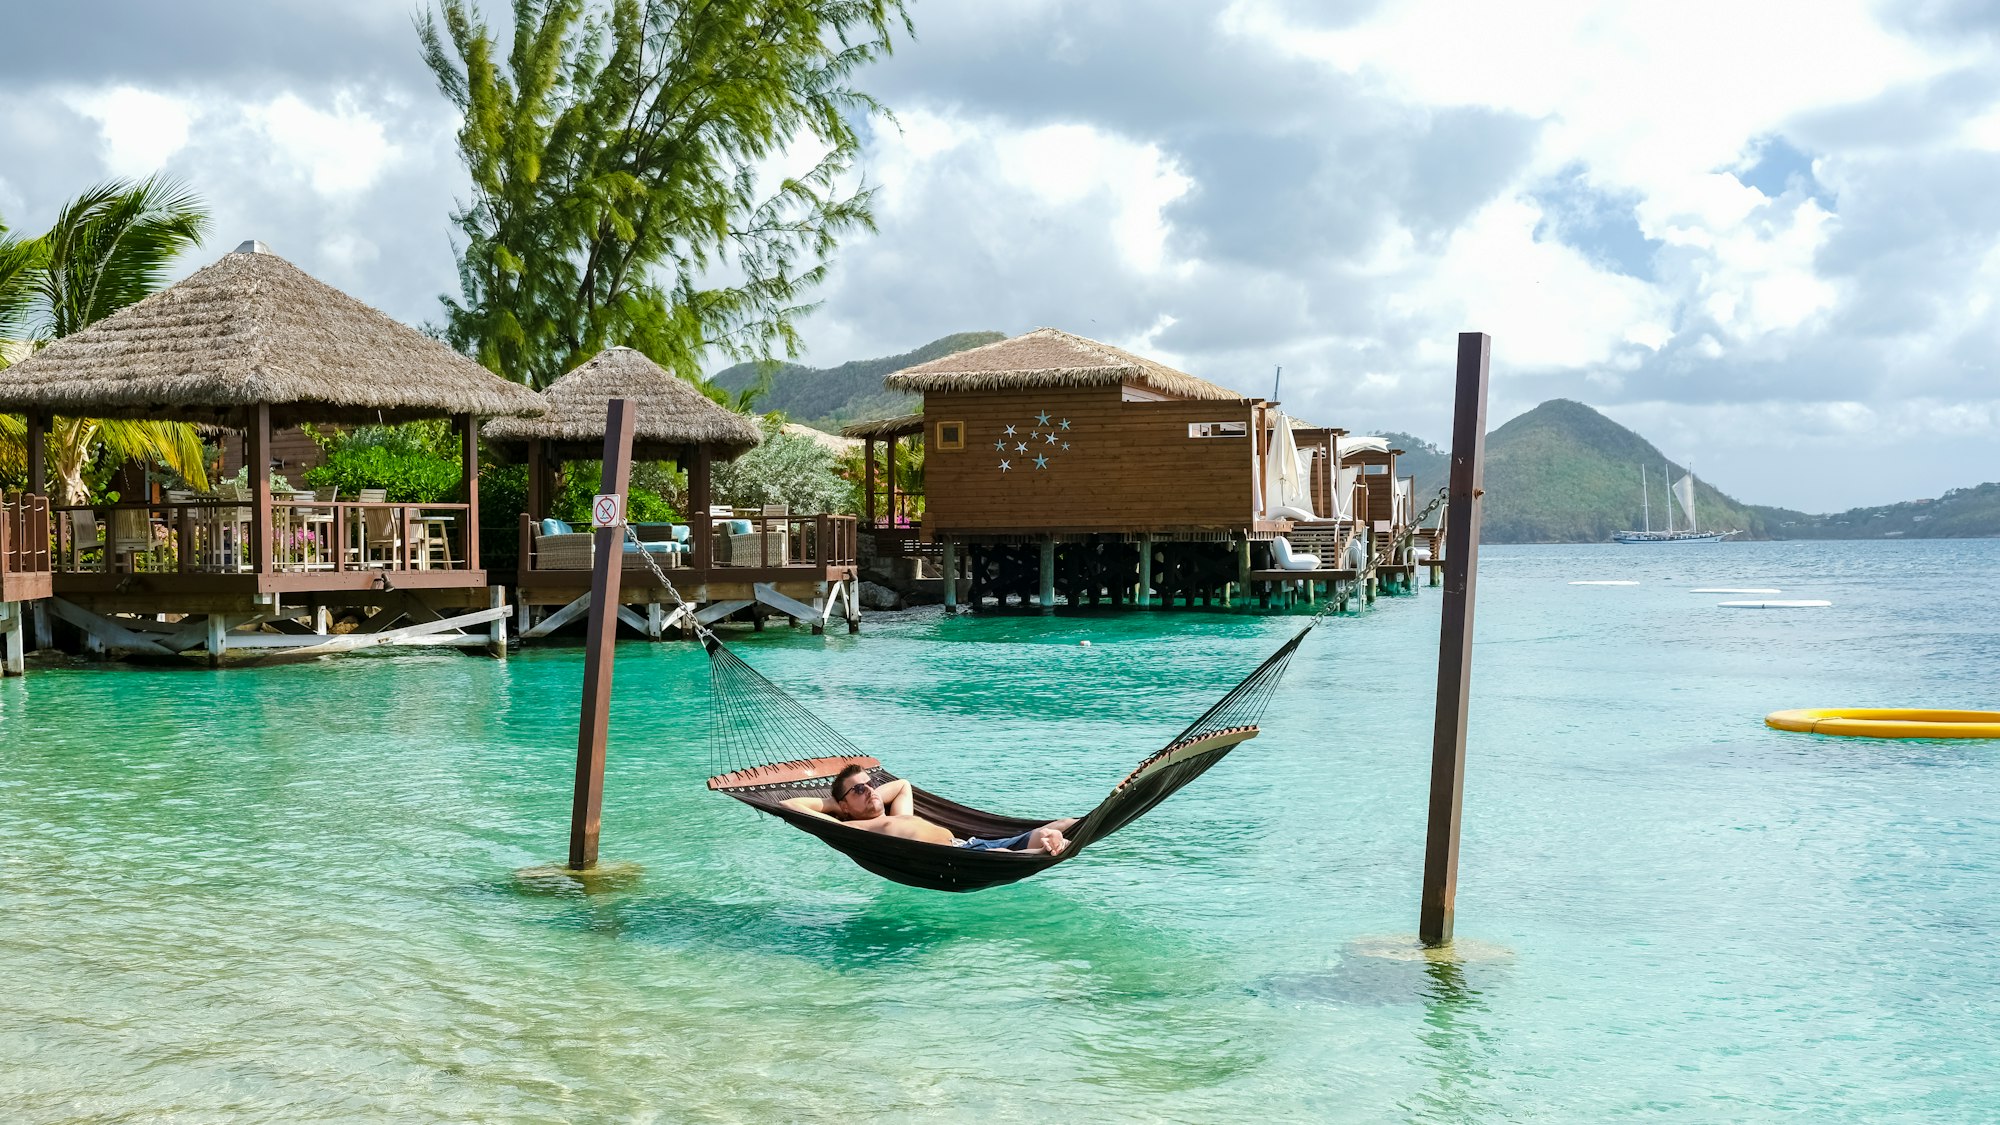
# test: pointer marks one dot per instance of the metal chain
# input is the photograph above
(632, 537)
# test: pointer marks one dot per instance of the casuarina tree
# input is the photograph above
(623, 157)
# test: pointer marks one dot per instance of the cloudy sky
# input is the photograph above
(1765, 234)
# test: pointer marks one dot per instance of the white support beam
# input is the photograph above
(789, 606)
(350, 641)
(719, 610)
(559, 618)
(103, 632)
(632, 620)
(12, 617)
(496, 630)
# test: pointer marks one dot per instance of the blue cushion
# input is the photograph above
(682, 532)
(554, 526)
(739, 527)
(632, 548)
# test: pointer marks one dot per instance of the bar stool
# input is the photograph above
(435, 545)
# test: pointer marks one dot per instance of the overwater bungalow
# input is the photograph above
(721, 561)
(251, 343)
(1055, 465)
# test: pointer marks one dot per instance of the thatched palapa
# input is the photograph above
(254, 329)
(671, 415)
(1050, 357)
(885, 429)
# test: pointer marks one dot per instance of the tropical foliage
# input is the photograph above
(109, 247)
(619, 157)
(785, 469)
(415, 463)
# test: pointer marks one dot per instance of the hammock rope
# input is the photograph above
(765, 747)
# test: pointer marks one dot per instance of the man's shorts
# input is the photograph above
(1009, 843)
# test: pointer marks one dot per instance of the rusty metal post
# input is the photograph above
(608, 563)
(1468, 460)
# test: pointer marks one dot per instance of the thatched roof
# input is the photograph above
(882, 428)
(1050, 357)
(672, 415)
(249, 329)
(833, 443)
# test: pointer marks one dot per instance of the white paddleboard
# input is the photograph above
(1733, 590)
(1605, 582)
(1775, 605)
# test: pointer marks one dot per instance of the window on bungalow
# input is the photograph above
(951, 435)
(1218, 429)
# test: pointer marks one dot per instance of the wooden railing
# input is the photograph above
(773, 542)
(24, 535)
(214, 537)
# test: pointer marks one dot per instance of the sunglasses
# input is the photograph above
(857, 787)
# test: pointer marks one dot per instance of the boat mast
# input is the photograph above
(1645, 501)
(1667, 471)
(1693, 525)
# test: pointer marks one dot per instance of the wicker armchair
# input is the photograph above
(736, 547)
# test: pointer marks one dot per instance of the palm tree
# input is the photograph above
(109, 247)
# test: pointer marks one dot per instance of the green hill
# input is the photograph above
(1563, 473)
(1962, 513)
(829, 397)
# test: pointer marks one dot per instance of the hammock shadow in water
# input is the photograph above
(897, 927)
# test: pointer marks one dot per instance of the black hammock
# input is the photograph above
(773, 748)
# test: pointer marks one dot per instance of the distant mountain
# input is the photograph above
(1563, 473)
(1962, 513)
(830, 397)
(1422, 460)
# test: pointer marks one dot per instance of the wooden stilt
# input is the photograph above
(950, 575)
(1048, 575)
(586, 807)
(1145, 596)
(11, 614)
(1241, 588)
(1468, 456)
(496, 630)
(853, 605)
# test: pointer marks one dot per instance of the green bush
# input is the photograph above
(786, 469)
(409, 473)
(643, 501)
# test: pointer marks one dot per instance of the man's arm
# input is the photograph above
(897, 799)
(816, 806)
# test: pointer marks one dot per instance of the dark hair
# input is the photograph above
(846, 771)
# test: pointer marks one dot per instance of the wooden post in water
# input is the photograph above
(950, 562)
(608, 544)
(1048, 569)
(1468, 461)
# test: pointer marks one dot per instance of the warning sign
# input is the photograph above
(607, 510)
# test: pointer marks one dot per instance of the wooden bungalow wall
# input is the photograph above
(294, 451)
(1130, 466)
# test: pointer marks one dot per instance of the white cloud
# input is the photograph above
(339, 151)
(140, 129)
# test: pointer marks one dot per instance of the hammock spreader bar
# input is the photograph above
(770, 747)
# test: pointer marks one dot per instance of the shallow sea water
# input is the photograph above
(286, 893)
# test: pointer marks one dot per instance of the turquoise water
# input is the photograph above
(285, 893)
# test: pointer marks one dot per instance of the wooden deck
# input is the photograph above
(802, 567)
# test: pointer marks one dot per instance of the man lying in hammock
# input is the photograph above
(859, 802)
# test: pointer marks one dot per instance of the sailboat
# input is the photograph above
(1683, 491)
